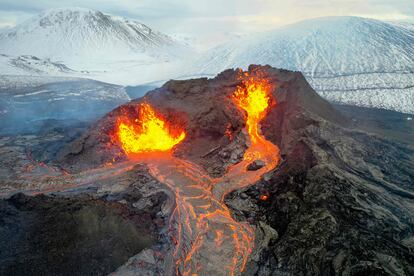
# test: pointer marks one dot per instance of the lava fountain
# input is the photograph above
(205, 236)
(147, 133)
(254, 98)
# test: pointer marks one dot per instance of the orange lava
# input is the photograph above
(264, 197)
(253, 97)
(147, 133)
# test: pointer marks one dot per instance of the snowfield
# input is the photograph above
(31, 65)
(348, 60)
(394, 91)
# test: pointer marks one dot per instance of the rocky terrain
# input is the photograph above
(84, 235)
(338, 203)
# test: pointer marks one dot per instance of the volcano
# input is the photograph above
(256, 175)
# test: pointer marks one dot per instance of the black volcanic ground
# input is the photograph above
(340, 203)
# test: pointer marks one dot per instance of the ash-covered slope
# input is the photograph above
(349, 60)
(73, 35)
(340, 203)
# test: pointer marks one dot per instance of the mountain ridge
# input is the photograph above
(76, 33)
(349, 60)
(307, 36)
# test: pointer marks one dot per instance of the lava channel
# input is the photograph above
(207, 239)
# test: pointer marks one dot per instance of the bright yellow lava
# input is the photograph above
(149, 133)
(253, 97)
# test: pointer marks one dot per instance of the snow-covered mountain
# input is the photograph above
(77, 33)
(91, 42)
(349, 60)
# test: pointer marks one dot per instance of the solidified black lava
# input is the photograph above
(46, 235)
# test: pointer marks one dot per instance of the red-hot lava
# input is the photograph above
(254, 98)
(147, 133)
(207, 239)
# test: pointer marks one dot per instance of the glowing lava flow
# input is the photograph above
(150, 135)
(206, 237)
(253, 97)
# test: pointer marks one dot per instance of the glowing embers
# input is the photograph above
(253, 96)
(147, 133)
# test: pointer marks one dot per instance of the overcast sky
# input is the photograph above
(216, 19)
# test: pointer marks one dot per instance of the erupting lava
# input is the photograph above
(148, 133)
(207, 239)
(253, 97)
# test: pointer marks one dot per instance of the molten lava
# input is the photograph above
(253, 97)
(148, 133)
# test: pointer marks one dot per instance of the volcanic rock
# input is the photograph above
(339, 203)
(79, 235)
(255, 165)
(83, 230)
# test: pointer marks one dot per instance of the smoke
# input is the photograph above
(64, 103)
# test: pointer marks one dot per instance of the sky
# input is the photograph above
(209, 21)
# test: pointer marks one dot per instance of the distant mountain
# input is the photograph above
(349, 60)
(88, 40)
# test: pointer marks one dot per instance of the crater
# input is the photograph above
(85, 236)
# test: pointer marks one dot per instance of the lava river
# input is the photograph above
(206, 237)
